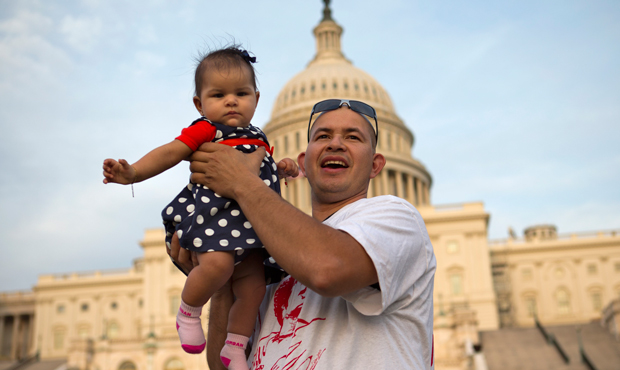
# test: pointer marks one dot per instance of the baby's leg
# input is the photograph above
(213, 271)
(248, 286)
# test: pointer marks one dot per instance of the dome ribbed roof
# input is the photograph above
(331, 75)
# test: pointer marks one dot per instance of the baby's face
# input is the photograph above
(228, 96)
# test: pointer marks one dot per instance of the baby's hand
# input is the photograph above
(119, 172)
(287, 168)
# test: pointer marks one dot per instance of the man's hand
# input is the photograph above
(185, 259)
(119, 172)
(222, 168)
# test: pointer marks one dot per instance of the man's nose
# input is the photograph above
(336, 143)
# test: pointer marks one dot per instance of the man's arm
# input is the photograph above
(326, 260)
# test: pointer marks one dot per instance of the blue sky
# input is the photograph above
(513, 103)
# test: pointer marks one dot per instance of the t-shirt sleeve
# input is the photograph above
(196, 134)
(395, 238)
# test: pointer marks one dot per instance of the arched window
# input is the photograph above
(127, 365)
(529, 301)
(113, 330)
(562, 299)
(84, 331)
(456, 283)
(59, 338)
(175, 303)
(174, 364)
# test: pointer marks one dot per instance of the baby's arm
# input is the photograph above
(153, 163)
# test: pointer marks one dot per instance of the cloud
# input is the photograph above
(81, 33)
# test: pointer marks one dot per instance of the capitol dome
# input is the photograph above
(331, 75)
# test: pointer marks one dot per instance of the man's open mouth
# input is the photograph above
(334, 164)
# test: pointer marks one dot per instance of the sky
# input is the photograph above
(512, 103)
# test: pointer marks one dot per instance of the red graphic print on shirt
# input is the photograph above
(289, 323)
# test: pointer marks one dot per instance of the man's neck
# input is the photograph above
(322, 210)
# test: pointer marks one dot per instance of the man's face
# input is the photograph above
(340, 159)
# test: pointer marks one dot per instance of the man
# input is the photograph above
(359, 294)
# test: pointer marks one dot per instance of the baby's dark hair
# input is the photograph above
(228, 57)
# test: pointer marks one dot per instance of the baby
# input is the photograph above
(226, 97)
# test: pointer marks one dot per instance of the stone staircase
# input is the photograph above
(527, 348)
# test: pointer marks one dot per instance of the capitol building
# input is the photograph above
(486, 291)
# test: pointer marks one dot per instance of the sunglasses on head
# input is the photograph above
(354, 105)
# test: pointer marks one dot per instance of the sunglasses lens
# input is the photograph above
(326, 105)
(363, 108)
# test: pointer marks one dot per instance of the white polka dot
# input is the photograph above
(194, 195)
(227, 205)
(236, 263)
(275, 166)
(179, 233)
(200, 219)
(235, 233)
(272, 260)
(190, 186)
(217, 195)
(235, 212)
(168, 234)
(246, 146)
(247, 225)
(209, 232)
(218, 134)
(274, 178)
(189, 228)
(211, 250)
(254, 132)
(250, 241)
(239, 251)
(197, 242)
(169, 210)
(232, 134)
(182, 200)
(177, 218)
(222, 223)
(244, 136)
(205, 200)
(191, 214)
(224, 243)
(190, 208)
(213, 211)
(168, 245)
(262, 164)
(267, 182)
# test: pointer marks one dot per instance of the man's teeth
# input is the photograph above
(337, 163)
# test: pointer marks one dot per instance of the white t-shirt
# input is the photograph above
(387, 329)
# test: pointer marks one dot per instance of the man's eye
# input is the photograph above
(353, 137)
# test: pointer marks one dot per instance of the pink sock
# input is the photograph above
(233, 353)
(190, 329)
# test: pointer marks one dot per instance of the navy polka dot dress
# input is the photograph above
(206, 222)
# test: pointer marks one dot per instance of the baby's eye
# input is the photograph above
(243, 93)
(218, 95)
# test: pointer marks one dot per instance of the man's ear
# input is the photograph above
(300, 162)
(378, 162)
(198, 105)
